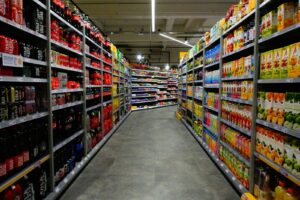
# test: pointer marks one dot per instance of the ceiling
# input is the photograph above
(128, 23)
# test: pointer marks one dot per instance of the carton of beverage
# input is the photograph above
(285, 15)
(276, 64)
(293, 61)
(284, 61)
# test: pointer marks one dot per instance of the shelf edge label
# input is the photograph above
(9, 60)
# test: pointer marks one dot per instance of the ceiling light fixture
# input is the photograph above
(139, 57)
(153, 14)
(167, 67)
(174, 39)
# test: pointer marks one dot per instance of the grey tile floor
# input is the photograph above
(152, 156)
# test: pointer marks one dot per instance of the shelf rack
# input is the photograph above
(46, 40)
(255, 48)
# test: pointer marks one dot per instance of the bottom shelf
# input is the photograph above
(80, 166)
(217, 161)
(153, 107)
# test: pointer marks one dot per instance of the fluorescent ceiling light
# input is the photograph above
(139, 57)
(167, 67)
(174, 39)
(153, 14)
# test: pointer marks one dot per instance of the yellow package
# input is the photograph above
(241, 66)
(263, 65)
(271, 23)
(285, 15)
(293, 67)
(269, 64)
(284, 62)
(276, 64)
(252, 4)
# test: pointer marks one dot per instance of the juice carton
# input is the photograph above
(259, 141)
(289, 110)
(248, 66)
(261, 114)
(269, 105)
(276, 64)
(284, 62)
(279, 149)
(272, 145)
(296, 112)
(296, 150)
(289, 158)
(269, 64)
(275, 108)
(285, 15)
(293, 61)
(271, 23)
(263, 62)
(263, 26)
(241, 66)
(280, 106)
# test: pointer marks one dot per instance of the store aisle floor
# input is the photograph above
(151, 157)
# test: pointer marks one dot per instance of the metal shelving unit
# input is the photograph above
(46, 40)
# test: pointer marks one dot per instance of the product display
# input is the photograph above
(250, 93)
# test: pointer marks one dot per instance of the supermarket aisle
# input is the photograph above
(151, 157)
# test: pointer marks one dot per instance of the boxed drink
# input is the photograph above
(284, 62)
(261, 114)
(292, 111)
(285, 15)
(278, 108)
(269, 101)
(293, 61)
(269, 64)
(271, 23)
(279, 149)
(276, 64)
(263, 62)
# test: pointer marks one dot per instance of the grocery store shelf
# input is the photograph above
(236, 153)
(65, 22)
(211, 108)
(133, 86)
(107, 85)
(20, 120)
(144, 91)
(167, 99)
(58, 91)
(237, 78)
(279, 81)
(153, 107)
(198, 67)
(189, 82)
(278, 168)
(93, 107)
(66, 68)
(237, 100)
(22, 79)
(197, 117)
(22, 28)
(211, 65)
(138, 97)
(105, 51)
(116, 110)
(199, 99)
(110, 64)
(93, 42)
(265, 3)
(94, 86)
(238, 51)
(239, 22)
(144, 81)
(198, 53)
(22, 173)
(236, 127)
(106, 102)
(189, 96)
(137, 75)
(63, 185)
(40, 4)
(143, 102)
(215, 86)
(198, 81)
(68, 140)
(107, 71)
(34, 61)
(216, 135)
(67, 105)
(230, 177)
(212, 42)
(294, 28)
(190, 70)
(66, 47)
(91, 67)
(276, 127)
(92, 56)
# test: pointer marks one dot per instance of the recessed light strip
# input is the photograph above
(174, 39)
(153, 14)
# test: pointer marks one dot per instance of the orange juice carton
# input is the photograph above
(296, 150)
(293, 61)
(258, 139)
(263, 26)
(280, 106)
(284, 61)
(261, 97)
(279, 149)
(248, 67)
(241, 66)
(250, 90)
(263, 62)
(285, 15)
(269, 65)
(269, 101)
(271, 23)
(276, 106)
(276, 64)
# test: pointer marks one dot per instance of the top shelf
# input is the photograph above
(65, 22)
(239, 22)
(212, 42)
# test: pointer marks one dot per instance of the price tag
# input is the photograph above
(9, 60)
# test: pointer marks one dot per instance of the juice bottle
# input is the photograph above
(280, 190)
(290, 195)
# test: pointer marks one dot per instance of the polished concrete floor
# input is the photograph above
(152, 156)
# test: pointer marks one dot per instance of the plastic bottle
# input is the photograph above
(290, 195)
(280, 190)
